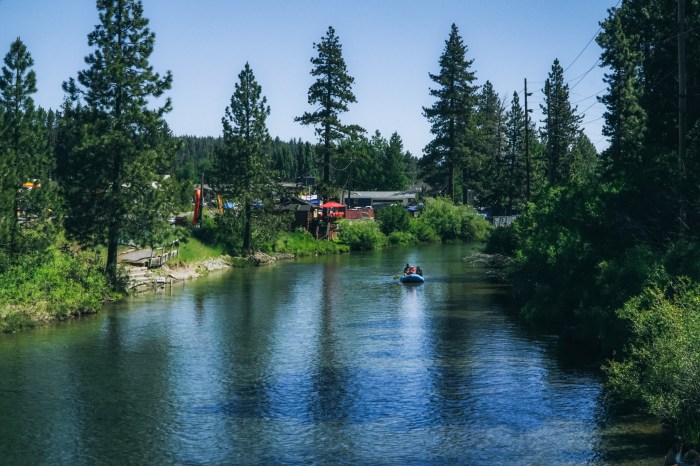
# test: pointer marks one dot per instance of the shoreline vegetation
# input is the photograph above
(67, 282)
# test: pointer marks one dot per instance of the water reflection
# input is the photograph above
(317, 361)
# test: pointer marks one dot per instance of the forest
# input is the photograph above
(605, 250)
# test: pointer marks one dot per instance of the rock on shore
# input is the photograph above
(179, 271)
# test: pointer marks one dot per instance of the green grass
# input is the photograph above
(193, 250)
(303, 244)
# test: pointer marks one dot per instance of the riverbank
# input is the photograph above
(175, 272)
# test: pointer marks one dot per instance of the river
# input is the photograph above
(316, 361)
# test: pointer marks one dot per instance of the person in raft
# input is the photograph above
(419, 271)
(406, 269)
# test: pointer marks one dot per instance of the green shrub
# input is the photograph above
(362, 235)
(227, 232)
(503, 240)
(302, 243)
(443, 217)
(423, 231)
(473, 226)
(53, 285)
(683, 258)
(267, 228)
(402, 238)
(661, 365)
(451, 222)
(393, 218)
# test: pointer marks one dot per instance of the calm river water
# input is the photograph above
(317, 361)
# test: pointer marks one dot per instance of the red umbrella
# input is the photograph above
(332, 204)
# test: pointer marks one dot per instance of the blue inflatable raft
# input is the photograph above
(412, 278)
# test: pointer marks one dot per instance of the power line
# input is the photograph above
(589, 42)
(589, 97)
(583, 112)
(585, 74)
(595, 119)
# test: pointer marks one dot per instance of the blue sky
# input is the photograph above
(389, 47)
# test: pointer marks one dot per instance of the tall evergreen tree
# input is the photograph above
(117, 144)
(561, 126)
(492, 148)
(513, 174)
(452, 119)
(625, 119)
(356, 163)
(394, 165)
(243, 171)
(639, 41)
(330, 94)
(26, 156)
(371, 173)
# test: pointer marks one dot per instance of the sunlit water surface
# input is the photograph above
(317, 361)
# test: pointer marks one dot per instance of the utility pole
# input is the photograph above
(528, 168)
(682, 114)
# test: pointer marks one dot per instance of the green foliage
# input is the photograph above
(330, 94)
(393, 218)
(267, 228)
(302, 243)
(51, 285)
(682, 258)
(29, 218)
(561, 240)
(194, 157)
(452, 120)
(374, 164)
(423, 231)
(363, 235)
(473, 226)
(115, 143)
(561, 129)
(502, 145)
(625, 119)
(294, 159)
(393, 165)
(660, 367)
(243, 166)
(452, 222)
(402, 238)
(193, 249)
(444, 217)
(503, 241)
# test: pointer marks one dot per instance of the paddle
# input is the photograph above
(396, 276)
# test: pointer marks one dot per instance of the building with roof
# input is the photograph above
(378, 199)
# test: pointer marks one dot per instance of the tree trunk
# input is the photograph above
(247, 227)
(112, 243)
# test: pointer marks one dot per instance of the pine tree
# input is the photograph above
(243, 172)
(330, 94)
(561, 126)
(116, 143)
(452, 120)
(514, 167)
(394, 165)
(356, 164)
(492, 148)
(26, 157)
(625, 119)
